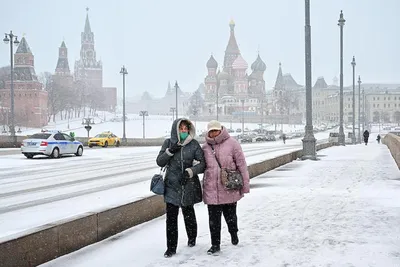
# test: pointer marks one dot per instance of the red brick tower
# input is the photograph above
(29, 96)
(62, 74)
(87, 68)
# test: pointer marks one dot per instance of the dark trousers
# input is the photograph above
(189, 217)
(214, 216)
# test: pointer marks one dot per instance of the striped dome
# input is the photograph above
(240, 63)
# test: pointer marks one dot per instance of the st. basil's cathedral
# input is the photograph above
(231, 88)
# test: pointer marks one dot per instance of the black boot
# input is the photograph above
(213, 249)
(234, 238)
(169, 253)
(192, 242)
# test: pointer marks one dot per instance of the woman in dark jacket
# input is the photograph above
(184, 159)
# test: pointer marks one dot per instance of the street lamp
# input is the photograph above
(218, 83)
(173, 113)
(143, 113)
(309, 139)
(353, 138)
(242, 100)
(364, 109)
(124, 72)
(176, 98)
(9, 39)
(341, 137)
(359, 109)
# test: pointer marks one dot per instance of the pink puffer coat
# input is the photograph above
(230, 155)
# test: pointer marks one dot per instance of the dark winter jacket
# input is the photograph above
(191, 158)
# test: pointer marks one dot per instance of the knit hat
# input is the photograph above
(214, 125)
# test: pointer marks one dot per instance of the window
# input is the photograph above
(59, 136)
(40, 136)
(67, 137)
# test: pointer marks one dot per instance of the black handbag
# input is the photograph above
(157, 183)
(232, 180)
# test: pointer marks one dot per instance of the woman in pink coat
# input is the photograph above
(219, 144)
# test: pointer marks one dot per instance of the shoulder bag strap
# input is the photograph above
(215, 155)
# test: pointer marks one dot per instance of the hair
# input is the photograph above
(186, 122)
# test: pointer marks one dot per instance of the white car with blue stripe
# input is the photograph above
(52, 144)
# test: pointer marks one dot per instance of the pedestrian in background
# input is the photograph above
(366, 137)
(184, 158)
(378, 138)
(221, 149)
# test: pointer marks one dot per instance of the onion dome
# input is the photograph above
(258, 65)
(212, 63)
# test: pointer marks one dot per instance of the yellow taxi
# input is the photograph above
(104, 139)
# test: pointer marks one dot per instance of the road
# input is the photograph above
(42, 190)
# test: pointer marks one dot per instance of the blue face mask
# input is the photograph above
(183, 136)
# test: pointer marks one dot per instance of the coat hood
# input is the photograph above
(175, 131)
(220, 138)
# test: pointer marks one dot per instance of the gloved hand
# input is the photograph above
(185, 178)
(174, 148)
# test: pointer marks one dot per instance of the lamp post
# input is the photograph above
(242, 100)
(341, 130)
(309, 139)
(9, 39)
(359, 109)
(364, 110)
(176, 98)
(173, 113)
(124, 72)
(353, 138)
(144, 113)
(262, 114)
(217, 98)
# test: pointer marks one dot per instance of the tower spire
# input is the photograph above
(279, 84)
(232, 46)
(87, 23)
(232, 49)
(62, 63)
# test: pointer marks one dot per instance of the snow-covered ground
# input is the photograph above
(42, 190)
(343, 210)
(155, 126)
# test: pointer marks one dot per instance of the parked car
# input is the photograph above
(104, 139)
(261, 138)
(333, 137)
(271, 137)
(52, 144)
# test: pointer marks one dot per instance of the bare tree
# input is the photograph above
(196, 103)
(4, 76)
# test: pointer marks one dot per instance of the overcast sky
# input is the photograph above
(160, 41)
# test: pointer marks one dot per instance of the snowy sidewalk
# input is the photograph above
(343, 210)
